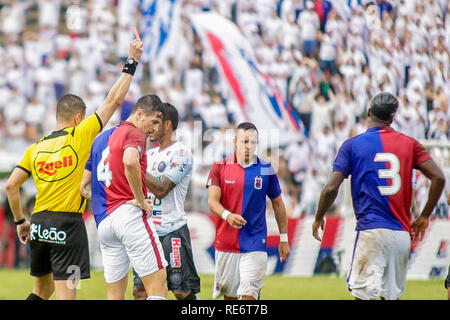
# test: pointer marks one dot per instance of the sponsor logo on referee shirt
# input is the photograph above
(57, 165)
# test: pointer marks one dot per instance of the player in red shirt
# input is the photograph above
(127, 236)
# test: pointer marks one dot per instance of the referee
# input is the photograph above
(56, 230)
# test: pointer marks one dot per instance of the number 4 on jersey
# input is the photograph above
(392, 173)
(103, 172)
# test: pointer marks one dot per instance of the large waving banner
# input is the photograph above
(258, 98)
(160, 29)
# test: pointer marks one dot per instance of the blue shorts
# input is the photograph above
(309, 47)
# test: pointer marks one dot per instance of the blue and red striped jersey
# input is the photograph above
(109, 184)
(244, 192)
(381, 162)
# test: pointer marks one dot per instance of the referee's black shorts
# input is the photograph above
(59, 245)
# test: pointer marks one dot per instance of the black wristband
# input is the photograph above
(21, 221)
(130, 66)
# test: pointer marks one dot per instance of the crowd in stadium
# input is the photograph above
(328, 60)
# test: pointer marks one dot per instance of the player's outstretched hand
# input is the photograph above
(236, 221)
(418, 228)
(23, 232)
(136, 49)
(315, 228)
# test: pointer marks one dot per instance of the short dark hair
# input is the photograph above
(149, 103)
(69, 105)
(171, 114)
(246, 126)
(384, 106)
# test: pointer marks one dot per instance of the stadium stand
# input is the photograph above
(328, 58)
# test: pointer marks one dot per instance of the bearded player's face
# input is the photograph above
(156, 128)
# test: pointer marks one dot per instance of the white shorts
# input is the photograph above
(379, 263)
(239, 274)
(127, 236)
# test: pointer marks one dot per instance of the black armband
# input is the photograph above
(130, 66)
(18, 223)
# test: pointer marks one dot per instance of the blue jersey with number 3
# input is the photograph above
(380, 162)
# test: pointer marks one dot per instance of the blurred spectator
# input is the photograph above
(309, 23)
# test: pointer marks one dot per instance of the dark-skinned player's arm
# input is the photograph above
(327, 197)
(432, 171)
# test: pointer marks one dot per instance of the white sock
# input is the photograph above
(156, 298)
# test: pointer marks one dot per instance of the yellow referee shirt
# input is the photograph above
(57, 162)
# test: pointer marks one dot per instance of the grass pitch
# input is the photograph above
(17, 284)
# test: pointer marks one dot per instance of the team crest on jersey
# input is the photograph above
(258, 183)
(161, 166)
(55, 166)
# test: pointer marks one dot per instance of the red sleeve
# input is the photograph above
(214, 175)
(420, 154)
(135, 138)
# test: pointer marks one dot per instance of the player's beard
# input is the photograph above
(156, 136)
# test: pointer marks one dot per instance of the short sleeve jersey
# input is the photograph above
(56, 162)
(381, 162)
(244, 192)
(174, 162)
(110, 187)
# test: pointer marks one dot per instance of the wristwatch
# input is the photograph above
(131, 61)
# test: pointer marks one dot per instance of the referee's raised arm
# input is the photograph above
(118, 91)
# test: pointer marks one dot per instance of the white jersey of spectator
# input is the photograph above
(124, 37)
(328, 48)
(291, 33)
(13, 18)
(320, 116)
(309, 24)
(34, 112)
(298, 156)
(174, 162)
(215, 115)
(127, 9)
(193, 83)
(272, 26)
(77, 19)
(49, 13)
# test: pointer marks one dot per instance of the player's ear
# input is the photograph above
(167, 125)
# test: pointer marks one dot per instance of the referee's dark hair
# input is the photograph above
(246, 126)
(69, 105)
(171, 114)
(149, 103)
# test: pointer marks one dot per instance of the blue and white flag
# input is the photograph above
(160, 28)
(259, 100)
